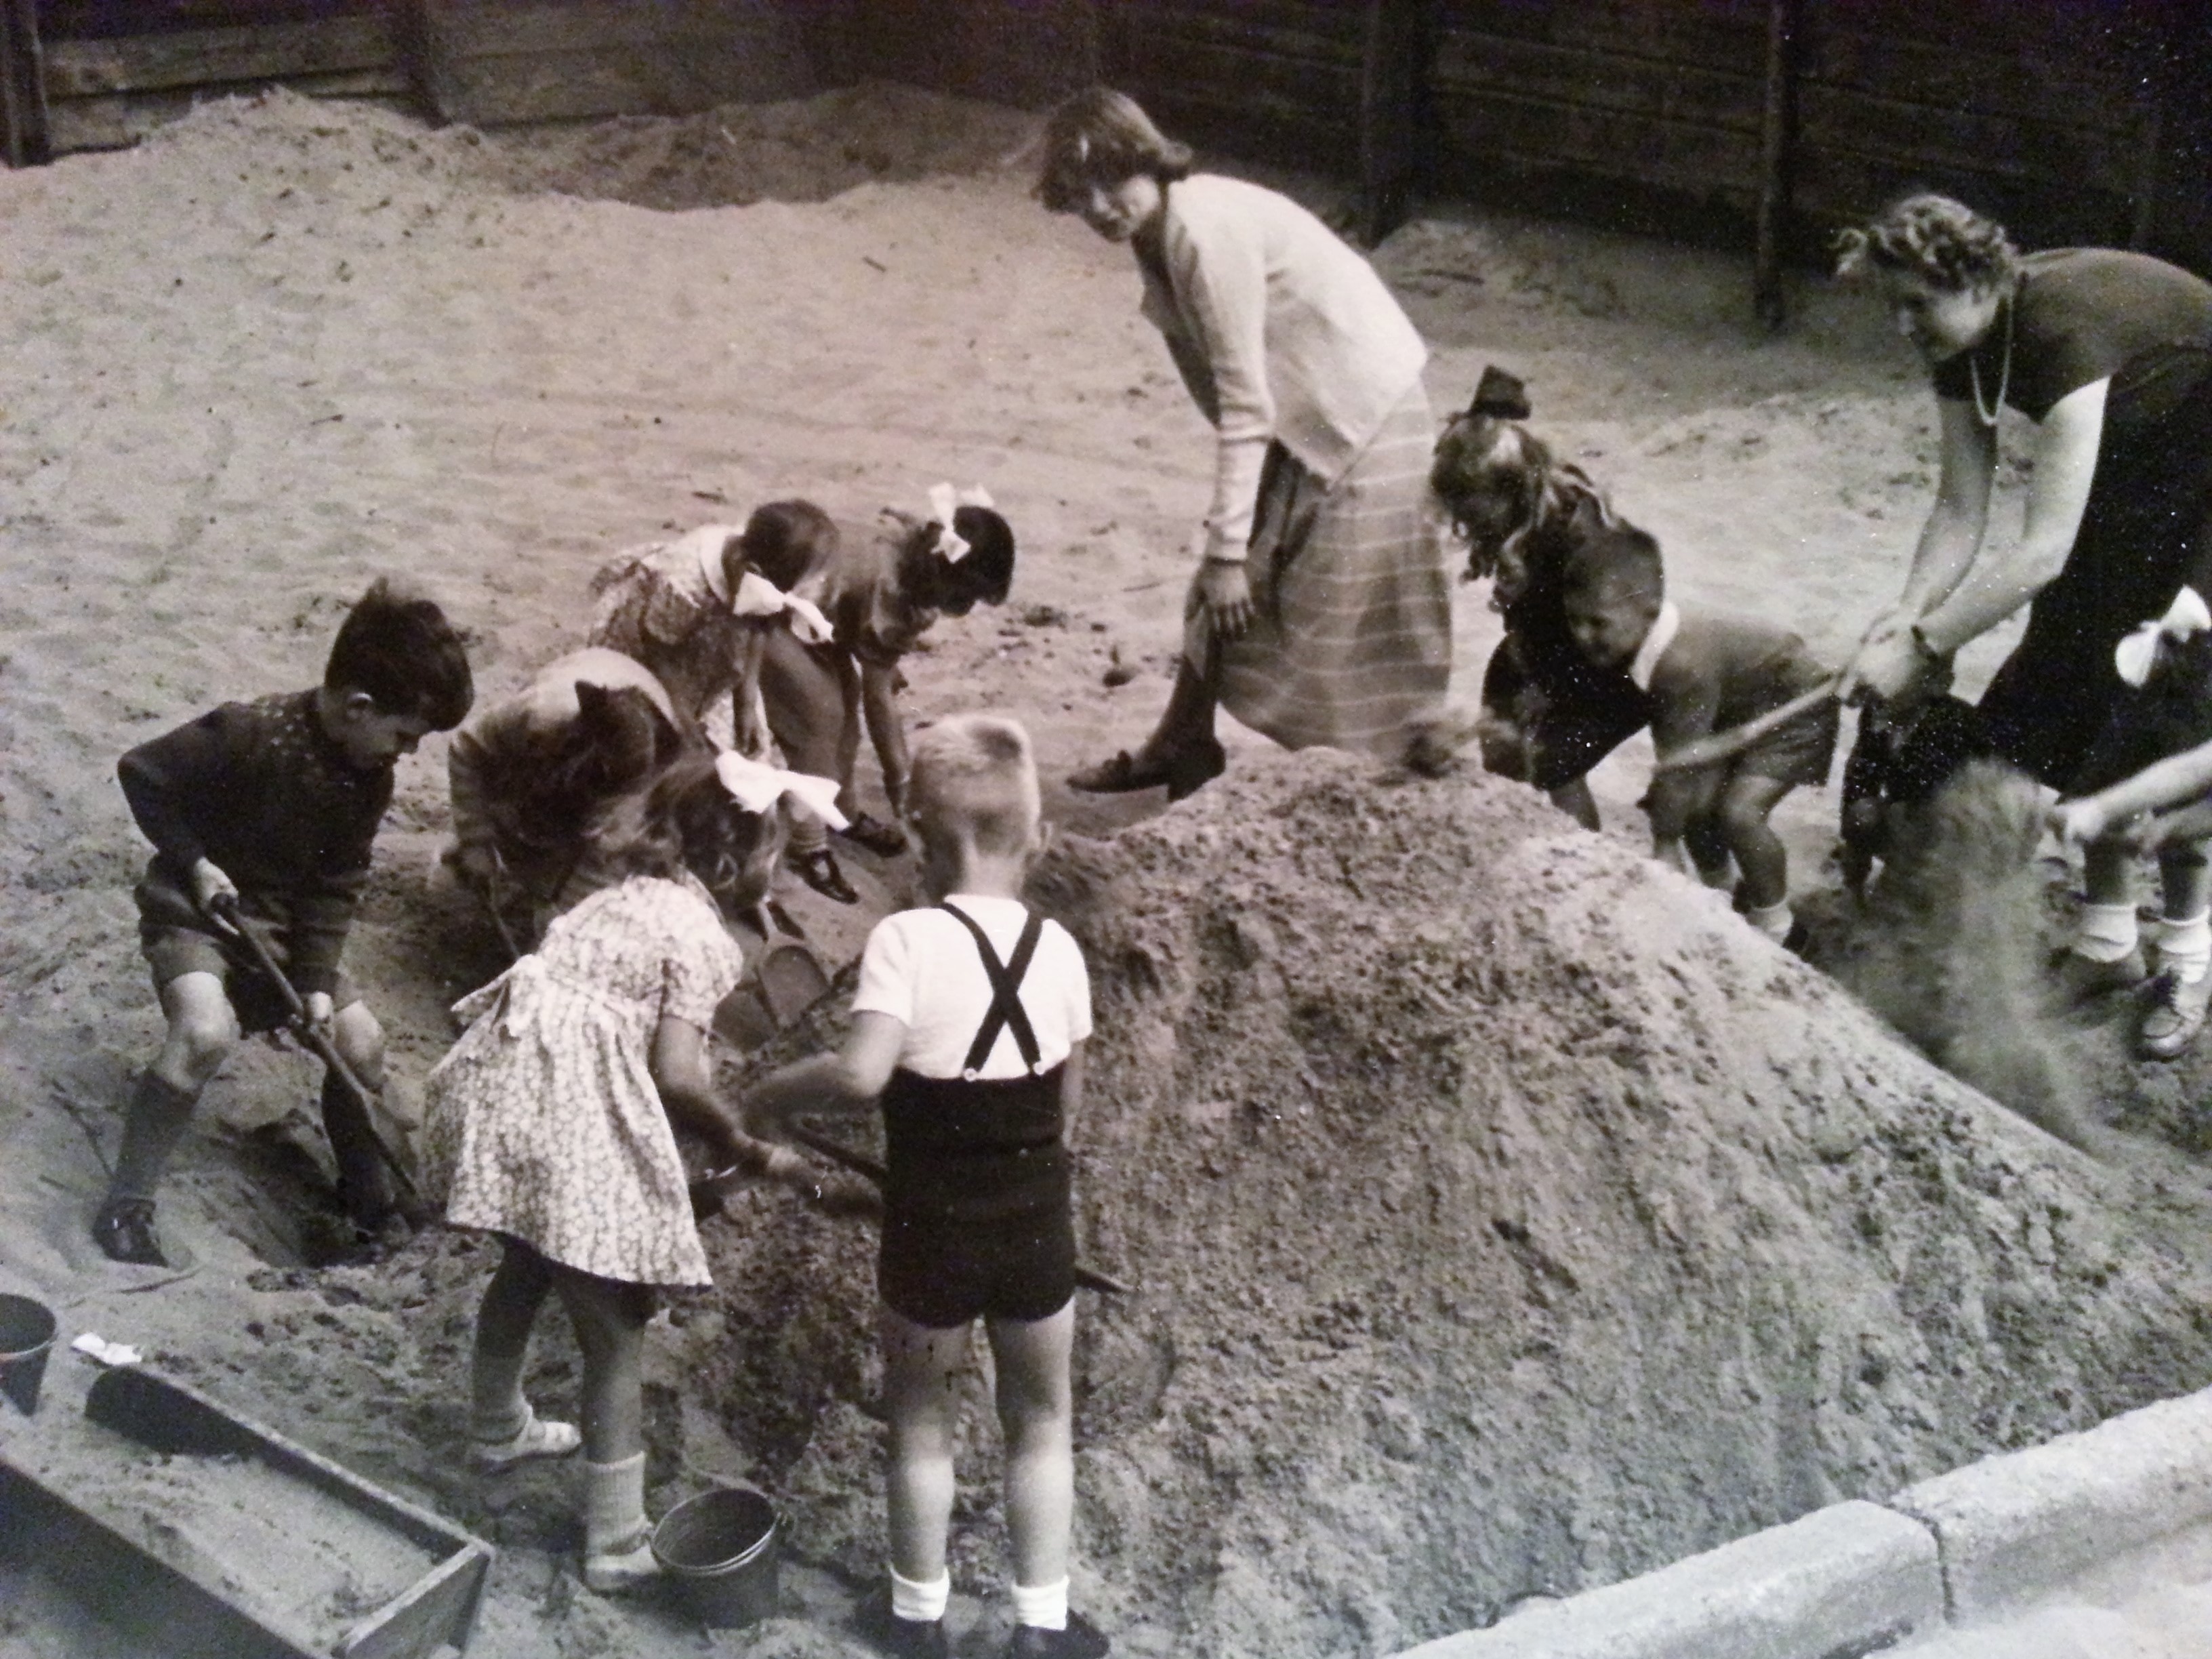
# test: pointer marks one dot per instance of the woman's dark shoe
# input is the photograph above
(885, 840)
(1184, 769)
(1191, 769)
(124, 1230)
(818, 870)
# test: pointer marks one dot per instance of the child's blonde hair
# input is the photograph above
(1482, 457)
(975, 774)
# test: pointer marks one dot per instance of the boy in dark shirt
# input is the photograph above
(274, 805)
(1703, 673)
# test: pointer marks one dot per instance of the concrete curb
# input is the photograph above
(1994, 1538)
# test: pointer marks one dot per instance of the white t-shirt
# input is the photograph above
(921, 968)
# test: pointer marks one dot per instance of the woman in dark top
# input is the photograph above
(2110, 355)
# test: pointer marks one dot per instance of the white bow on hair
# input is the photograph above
(756, 596)
(2137, 654)
(757, 787)
(943, 502)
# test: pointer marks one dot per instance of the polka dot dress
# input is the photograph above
(543, 1123)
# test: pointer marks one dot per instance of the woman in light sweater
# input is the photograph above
(1322, 612)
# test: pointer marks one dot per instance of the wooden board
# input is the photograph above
(271, 52)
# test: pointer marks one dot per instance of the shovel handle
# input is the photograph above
(311, 1036)
(1722, 745)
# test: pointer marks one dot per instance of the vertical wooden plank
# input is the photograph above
(1391, 72)
(24, 130)
(1777, 145)
(421, 55)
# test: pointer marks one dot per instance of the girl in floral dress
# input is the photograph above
(552, 1124)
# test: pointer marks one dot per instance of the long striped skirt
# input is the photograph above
(1351, 634)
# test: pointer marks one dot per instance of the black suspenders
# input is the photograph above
(1006, 1011)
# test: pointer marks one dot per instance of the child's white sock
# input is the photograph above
(2186, 946)
(1044, 1606)
(923, 1604)
(1774, 920)
(2107, 932)
(614, 1505)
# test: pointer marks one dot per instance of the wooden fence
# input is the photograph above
(1765, 120)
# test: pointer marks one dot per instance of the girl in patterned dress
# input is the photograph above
(552, 1124)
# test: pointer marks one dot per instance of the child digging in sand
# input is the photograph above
(552, 1125)
(1704, 673)
(1549, 714)
(968, 1027)
(880, 597)
(272, 806)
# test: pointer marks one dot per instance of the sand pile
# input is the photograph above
(1508, 1217)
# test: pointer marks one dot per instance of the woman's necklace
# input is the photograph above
(1988, 412)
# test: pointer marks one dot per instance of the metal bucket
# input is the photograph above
(27, 1337)
(720, 1549)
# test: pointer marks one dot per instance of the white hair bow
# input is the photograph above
(757, 787)
(943, 502)
(756, 596)
(2137, 654)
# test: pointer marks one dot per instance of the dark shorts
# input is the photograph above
(1798, 752)
(176, 940)
(943, 1273)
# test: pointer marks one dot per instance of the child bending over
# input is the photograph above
(968, 1027)
(272, 805)
(880, 597)
(528, 775)
(1704, 673)
(551, 1124)
(1549, 714)
(696, 611)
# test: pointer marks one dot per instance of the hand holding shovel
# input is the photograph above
(223, 906)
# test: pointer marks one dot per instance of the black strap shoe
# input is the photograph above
(885, 840)
(124, 1229)
(818, 870)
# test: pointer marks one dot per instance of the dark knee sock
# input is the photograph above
(363, 1186)
(1189, 717)
(153, 1123)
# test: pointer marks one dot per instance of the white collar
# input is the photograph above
(706, 543)
(1663, 629)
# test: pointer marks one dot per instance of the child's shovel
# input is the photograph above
(1722, 745)
(311, 1037)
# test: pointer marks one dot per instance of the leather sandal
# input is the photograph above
(818, 870)
(124, 1230)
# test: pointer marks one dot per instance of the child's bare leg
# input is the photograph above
(920, 1363)
(2106, 932)
(2185, 952)
(609, 1317)
(1035, 1410)
(1746, 802)
(1575, 801)
(202, 1030)
(504, 1320)
(1707, 842)
(363, 1183)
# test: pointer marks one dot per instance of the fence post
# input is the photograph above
(1777, 146)
(1391, 71)
(23, 132)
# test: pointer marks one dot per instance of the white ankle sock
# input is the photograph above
(614, 1505)
(1044, 1606)
(2186, 945)
(1774, 920)
(2107, 932)
(922, 1603)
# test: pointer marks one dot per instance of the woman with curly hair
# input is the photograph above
(2109, 355)
(1320, 613)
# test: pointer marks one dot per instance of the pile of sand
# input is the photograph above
(1508, 1217)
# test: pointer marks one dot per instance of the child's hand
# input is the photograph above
(319, 1009)
(210, 886)
(2082, 821)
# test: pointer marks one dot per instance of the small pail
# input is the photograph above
(720, 1548)
(27, 1337)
